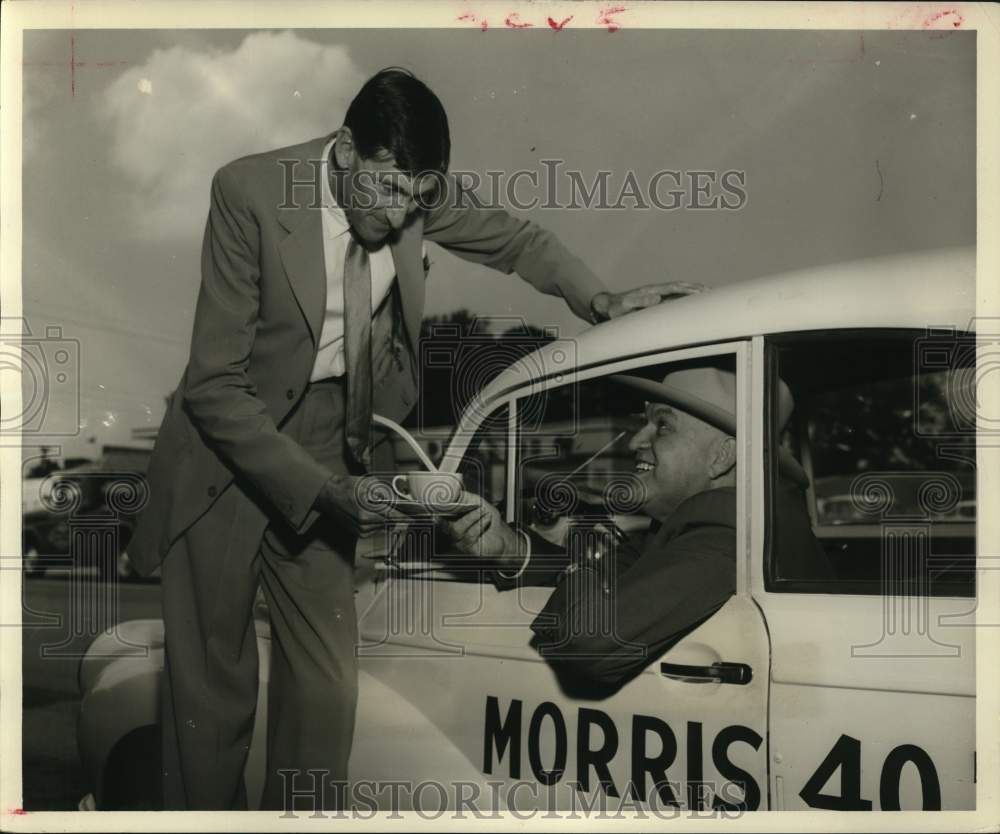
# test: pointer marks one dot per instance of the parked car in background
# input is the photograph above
(81, 513)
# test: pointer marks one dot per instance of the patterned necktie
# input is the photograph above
(358, 350)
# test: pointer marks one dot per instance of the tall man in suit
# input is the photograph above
(310, 306)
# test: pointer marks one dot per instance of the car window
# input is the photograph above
(883, 426)
(573, 456)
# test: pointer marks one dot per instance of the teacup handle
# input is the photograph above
(395, 488)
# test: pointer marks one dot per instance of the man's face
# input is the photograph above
(674, 454)
(376, 196)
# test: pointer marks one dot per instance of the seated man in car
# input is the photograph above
(685, 463)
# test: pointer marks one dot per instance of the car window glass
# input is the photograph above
(884, 424)
(573, 456)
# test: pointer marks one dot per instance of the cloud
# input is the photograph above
(177, 118)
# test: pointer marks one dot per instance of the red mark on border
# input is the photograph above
(484, 24)
(19, 811)
(558, 26)
(605, 19)
(956, 19)
(74, 64)
(513, 21)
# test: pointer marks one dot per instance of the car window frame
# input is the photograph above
(457, 446)
(739, 349)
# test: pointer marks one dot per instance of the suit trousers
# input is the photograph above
(210, 685)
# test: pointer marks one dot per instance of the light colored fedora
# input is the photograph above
(709, 393)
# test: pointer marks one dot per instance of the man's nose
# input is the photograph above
(395, 217)
(638, 440)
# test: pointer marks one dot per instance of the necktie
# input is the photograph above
(358, 350)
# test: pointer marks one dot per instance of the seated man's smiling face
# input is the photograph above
(677, 456)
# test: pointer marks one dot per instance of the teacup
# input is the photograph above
(434, 489)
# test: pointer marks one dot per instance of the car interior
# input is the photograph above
(884, 427)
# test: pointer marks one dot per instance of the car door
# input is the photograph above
(452, 654)
(873, 677)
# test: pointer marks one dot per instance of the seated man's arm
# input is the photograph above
(512, 555)
(605, 622)
(605, 625)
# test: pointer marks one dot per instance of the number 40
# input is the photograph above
(846, 755)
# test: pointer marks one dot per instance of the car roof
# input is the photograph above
(921, 290)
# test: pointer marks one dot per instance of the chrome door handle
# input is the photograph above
(722, 672)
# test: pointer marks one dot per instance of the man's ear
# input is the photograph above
(724, 458)
(343, 148)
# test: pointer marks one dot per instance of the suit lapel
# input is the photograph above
(302, 250)
(407, 256)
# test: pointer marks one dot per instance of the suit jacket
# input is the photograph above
(258, 318)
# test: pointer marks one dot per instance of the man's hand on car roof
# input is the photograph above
(608, 305)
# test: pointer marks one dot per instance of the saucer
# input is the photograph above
(444, 509)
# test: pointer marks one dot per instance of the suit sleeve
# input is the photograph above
(605, 629)
(220, 397)
(494, 238)
(546, 562)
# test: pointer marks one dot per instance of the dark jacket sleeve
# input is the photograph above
(605, 624)
(494, 238)
(545, 565)
(219, 396)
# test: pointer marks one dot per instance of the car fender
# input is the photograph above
(132, 639)
(395, 742)
(119, 680)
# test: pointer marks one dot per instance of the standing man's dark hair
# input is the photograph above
(396, 112)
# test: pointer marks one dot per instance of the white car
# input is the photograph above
(851, 692)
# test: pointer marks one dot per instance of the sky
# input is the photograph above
(851, 146)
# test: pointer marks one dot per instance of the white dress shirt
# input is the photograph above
(336, 234)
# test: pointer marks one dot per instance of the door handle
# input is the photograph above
(722, 672)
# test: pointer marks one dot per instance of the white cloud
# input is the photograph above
(177, 118)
